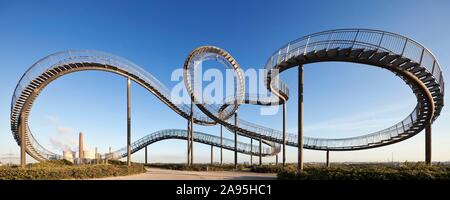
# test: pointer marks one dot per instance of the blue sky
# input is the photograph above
(158, 35)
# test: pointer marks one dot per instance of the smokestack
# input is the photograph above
(96, 155)
(81, 148)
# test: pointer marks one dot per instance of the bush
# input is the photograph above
(52, 170)
(200, 167)
(417, 171)
(268, 168)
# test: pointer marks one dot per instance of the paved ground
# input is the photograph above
(165, 174)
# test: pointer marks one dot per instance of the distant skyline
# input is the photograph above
(158, 36)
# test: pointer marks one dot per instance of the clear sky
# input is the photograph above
(158, 35)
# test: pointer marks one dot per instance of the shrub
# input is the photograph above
(268, 168)
(52, 170)
(407, 171)
(199, 167)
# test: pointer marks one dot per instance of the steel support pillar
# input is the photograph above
(260, 151)
(251, 150)
(276, 159)
(23, 146)
(300, 118)
(192, 132)
(328, 158)
(188, 134)
(212, 154)
(235, 141)
(284, 134)
(428, 144)
(146, 154)
(96, 157)
(128, 123)
(221, 145)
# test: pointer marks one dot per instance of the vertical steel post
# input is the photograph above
(284, 134)
(260, 151)
(328, 158)
(251, 151)
(146, 154)
(235, 140)
(221, 145)
(276, 159)
(192, 133)
(96, 157)
(212, 154)
(188, 134)
(128, 123)
(300, 118)
(428, 144)
(23, 140)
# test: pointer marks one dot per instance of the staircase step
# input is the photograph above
(389, 58)
(332, 52)
(356, 52)
(400, 61)
(378, 55)
(311, 55)
(366, 54)
(344, 52)
(416, 69)
(321, 53)
(408, 65)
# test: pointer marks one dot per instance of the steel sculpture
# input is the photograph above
(406, 58)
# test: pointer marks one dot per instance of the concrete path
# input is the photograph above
(165, 174)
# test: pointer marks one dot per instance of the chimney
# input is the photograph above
(81, 148)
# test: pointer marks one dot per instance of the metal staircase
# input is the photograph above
(406, 58)
(198, 137)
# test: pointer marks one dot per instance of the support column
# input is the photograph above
(146, 153)
(300, 118)
(235, 141)
(284, 134)
(276, 159)
(260, 151)
(428, 144)
(251, 150)
(212, 155)
(192, 133)
(221, 146)
(23, 140)
(96, 157)
(328, 158)
(188, 134)
(128, 123)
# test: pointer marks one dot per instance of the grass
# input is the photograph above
(405, 171)
(61, 169)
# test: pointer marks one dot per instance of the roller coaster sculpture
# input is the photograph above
(404, 57)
